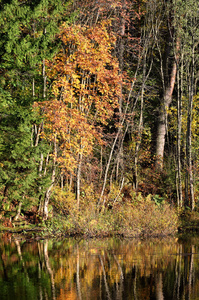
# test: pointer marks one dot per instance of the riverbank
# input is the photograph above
(189, 222)
(143, 218)
(60, 227)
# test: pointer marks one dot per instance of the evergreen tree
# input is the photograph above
(27, 38)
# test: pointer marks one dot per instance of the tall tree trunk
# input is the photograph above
(44, 72)
(168, 75)
(189, 170)
(162, 121)
(140, 128)
(179, 129)
(121, 48)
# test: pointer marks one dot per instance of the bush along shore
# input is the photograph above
(131, 217)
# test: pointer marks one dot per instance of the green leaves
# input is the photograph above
(27, 37)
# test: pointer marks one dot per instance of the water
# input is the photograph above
(110, 269)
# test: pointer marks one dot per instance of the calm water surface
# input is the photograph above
(110, 269)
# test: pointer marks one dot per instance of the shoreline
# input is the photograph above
(41, 233)
(130, 224)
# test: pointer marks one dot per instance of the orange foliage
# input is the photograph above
(86, 86)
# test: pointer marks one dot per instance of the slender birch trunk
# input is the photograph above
(48, 191)
(189, 171)
(79, 180)
(44, 72)
(179, 130)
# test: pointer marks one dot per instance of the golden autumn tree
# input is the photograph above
(85, 91)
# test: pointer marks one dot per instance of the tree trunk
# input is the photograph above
(179, 129)
(79, 180)
(162, 121)
(189, 170)
(115, 140)
(44, 73)
(18, 211)
(48, 192)
(168, 75)
(145, 76)
(121, 48)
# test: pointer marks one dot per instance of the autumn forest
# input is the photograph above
(99, 114)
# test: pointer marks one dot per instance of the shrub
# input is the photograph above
(136, 217)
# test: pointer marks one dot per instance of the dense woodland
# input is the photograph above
(99, 105)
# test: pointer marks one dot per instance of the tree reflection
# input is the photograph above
(159, 287)
(99, 269)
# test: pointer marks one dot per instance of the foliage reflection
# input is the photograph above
(99, 269)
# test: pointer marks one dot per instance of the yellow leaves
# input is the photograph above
(86, 85)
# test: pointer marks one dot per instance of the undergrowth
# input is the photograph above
(134, 217)
(128, 215)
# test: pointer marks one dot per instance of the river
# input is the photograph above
(113, 269)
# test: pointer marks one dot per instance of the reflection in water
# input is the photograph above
(159, 287)
(110, 269)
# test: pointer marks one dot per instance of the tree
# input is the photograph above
(27, 38)
(168, 71)
(192, 32)
(186, 21)
(85, 88)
